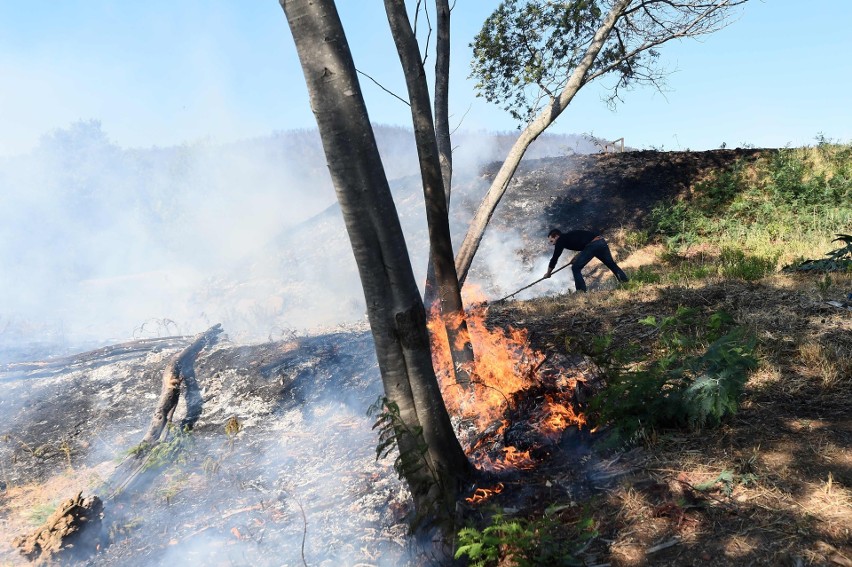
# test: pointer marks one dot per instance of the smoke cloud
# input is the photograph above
(100, 243)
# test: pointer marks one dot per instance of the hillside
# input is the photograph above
(279, 467)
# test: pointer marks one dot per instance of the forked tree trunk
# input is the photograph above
(394, 307)
(533, 130)
(437, 216)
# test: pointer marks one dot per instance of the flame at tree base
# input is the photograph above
(505, 369)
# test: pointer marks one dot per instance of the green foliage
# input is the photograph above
(725, 481)
(530, 43)
(734, 263)
(635, 239)
(643, 275)
(684, 382)
(524, 542)
(175, 450)
(411, 463)
(837, 260)
(392, 430)
(527, 50)
(770, 206)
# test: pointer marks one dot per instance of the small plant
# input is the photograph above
(682, 383)
(232, 429)
(175, 450)
(726, 481)
(524, 543)
(411, 464)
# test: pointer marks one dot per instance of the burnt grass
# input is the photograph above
(771, 485)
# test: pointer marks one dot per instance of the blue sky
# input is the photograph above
(166, 72)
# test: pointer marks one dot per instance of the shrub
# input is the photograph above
(524, 543)
(683, 384)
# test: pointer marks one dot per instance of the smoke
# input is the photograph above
(96, 240)
(100, 243)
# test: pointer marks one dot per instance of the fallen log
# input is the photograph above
(76, 524)
(178, 368)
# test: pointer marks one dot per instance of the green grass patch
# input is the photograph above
(783, 205)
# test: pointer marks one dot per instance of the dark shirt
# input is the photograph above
(572, 240)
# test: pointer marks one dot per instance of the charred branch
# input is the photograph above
(179, 367)
(179, 370)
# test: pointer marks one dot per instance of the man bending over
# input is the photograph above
(588, 245)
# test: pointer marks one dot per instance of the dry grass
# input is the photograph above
(787, 454)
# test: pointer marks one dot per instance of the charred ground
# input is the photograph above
(237, 495)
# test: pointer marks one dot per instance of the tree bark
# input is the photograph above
(442, 125)
(442, 95)
(394, 307)
(532, 131)
(437, 216)
(71, 534)
(178, 368)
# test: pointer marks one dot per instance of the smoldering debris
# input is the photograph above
(72, 532)
(280, 461)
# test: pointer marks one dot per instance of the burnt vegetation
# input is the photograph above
(696, 415)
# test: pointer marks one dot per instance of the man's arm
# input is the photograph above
(552, 264)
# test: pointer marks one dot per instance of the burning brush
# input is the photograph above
(511, 412)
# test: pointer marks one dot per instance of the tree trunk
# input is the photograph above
(437, 216)
(533, 130)
(394, 307)
(442, 94)
(442, 125)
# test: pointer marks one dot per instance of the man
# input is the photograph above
(588, 245)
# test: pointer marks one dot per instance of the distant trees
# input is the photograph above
(394, 307)
(533, 56)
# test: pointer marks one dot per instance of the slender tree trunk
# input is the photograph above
(442, 124)
(394, 307)
(533, 130)
(437, 216)
(442, 94)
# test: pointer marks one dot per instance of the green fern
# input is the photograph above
(682, 385)
(411, 463)
(524, 542)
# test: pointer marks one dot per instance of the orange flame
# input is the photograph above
(504, 364)
(555, 417)
(480, 495)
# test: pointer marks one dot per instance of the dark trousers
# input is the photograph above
(596, 249)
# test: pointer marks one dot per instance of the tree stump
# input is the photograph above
(72, 532)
